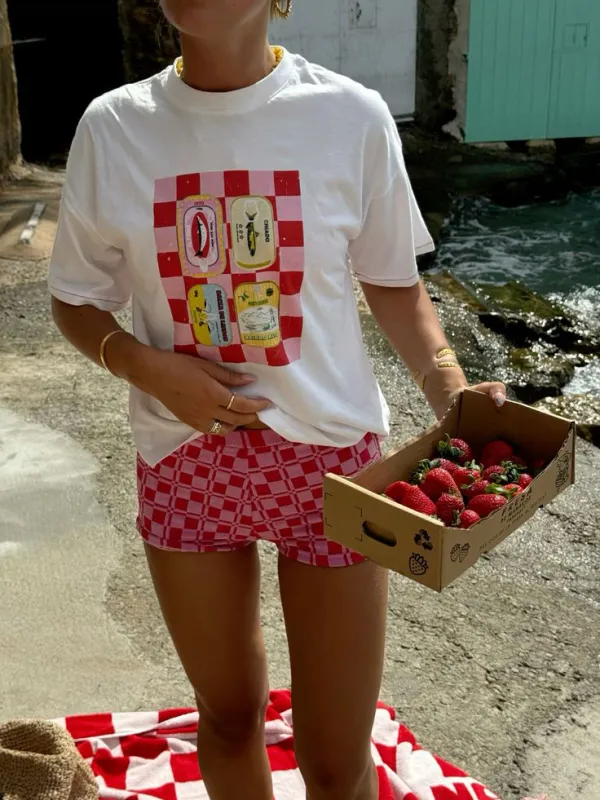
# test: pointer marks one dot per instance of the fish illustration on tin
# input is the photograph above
(253, 232)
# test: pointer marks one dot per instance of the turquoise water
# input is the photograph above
(553, 248)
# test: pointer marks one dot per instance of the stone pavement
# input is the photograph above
(499, 673)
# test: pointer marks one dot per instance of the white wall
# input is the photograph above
(372, 41)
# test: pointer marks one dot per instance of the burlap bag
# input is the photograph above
(39, 761)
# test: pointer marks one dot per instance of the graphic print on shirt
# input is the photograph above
(230, 249)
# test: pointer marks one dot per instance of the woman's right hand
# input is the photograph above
(198, 392)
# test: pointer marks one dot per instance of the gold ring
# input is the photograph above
(230, 403)
(215, 428)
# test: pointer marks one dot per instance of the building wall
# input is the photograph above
(10, 132)
(372, 41)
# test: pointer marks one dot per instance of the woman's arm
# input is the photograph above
(409, 320)
(196, 391)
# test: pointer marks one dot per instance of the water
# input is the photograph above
(553, 248)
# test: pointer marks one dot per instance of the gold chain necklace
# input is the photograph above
(277, 52)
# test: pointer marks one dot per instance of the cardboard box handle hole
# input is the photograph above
(378, 535)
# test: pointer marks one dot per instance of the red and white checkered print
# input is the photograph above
(216, 494)
(145, 756)
(282, 190)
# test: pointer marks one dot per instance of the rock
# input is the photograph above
(537, 372)
(526, 318)
(530, 372)
(584, 409)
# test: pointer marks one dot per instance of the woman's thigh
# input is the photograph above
(211, 605)
(335, 621)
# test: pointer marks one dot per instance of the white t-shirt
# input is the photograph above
(232, 222)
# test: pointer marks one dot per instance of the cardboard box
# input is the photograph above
(420, 547)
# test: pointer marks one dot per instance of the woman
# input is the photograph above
(225, 197)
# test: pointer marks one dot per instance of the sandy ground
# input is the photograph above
(500, 673)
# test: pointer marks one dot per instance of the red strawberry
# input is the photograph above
(518, 462)
(449, 507)
(495, 453)
(538, 466)
(411, 496)
(511, 489)
(464, 476)
(468, 518)
(475, 489)
(525, 480)
(438, 482)
(494, 474)
(449, 466)
(455, 450)
(486, 504)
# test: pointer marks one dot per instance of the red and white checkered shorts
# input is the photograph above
(217, 495)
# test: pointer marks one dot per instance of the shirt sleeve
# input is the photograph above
(393, 232)
(86, 267)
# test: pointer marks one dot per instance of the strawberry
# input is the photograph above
(496, 452)
(486, 504)
(518, 462)
(494, 474)
(438, 482)
(464, 476)
(511, 489)
(411, 496)
(455, 450)
(425, 466)
(538, 466)
(449, 466)
(525, 480)
(449, 507)
(468, 518)
(475, 489)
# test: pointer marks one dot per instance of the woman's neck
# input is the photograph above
(224, 66)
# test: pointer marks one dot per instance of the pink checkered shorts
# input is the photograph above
(217, 495)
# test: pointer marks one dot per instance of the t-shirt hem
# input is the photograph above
(391, 282)
(428, 247)
(72, 299)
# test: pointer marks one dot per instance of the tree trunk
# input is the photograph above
(10, 129)
(149, 42)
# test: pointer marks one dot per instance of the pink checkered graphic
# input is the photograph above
(217, 495)
(228, 316)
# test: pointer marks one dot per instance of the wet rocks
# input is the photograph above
(584, 409)
(533, 370)
(526, 318)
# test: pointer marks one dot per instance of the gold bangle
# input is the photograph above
(103, 344)
(446, 352)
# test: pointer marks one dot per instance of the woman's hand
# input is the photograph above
(198, 392)
(442, 387)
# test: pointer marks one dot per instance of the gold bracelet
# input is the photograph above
(103, 344)
(446, 352)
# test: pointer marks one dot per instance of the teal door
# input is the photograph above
(534, 69)
(575, 94)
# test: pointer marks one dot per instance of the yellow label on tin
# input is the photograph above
(253, 232)
(257, 307)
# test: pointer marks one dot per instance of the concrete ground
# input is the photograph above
(500, 673)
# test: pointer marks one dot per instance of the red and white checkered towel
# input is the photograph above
(144, 756)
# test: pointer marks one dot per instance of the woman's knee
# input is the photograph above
(336, 775)
(234, 724)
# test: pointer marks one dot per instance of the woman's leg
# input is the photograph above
(335, 619)
(210, 602)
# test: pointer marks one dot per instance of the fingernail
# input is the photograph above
(499, 399)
